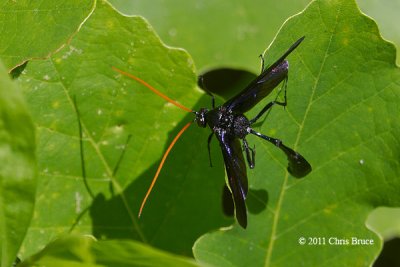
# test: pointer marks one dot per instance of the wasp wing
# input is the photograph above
(262, 85)
(236, 170)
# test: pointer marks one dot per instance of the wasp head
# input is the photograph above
(201, 117)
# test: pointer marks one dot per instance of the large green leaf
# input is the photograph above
(103, 197)
(84, 251)
(17, 169)
(343, 116)
(35, 29)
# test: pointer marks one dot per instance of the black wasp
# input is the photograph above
(229, 125)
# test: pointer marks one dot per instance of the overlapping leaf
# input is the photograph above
(386, 18)
(85, 251)
(17, 169)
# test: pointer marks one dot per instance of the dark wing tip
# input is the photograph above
(301, 39)
(290, 50)
(239, 197)
(241, 217)
(236, 170)
(294, 46)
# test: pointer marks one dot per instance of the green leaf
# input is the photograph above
(84, 251)
(217, 34)
(17, 169)
(103, 198)
(35, 29)
(343, 116)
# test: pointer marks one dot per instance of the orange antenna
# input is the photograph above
(161, 165)
(152, 89)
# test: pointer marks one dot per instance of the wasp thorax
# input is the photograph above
(240, 126)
